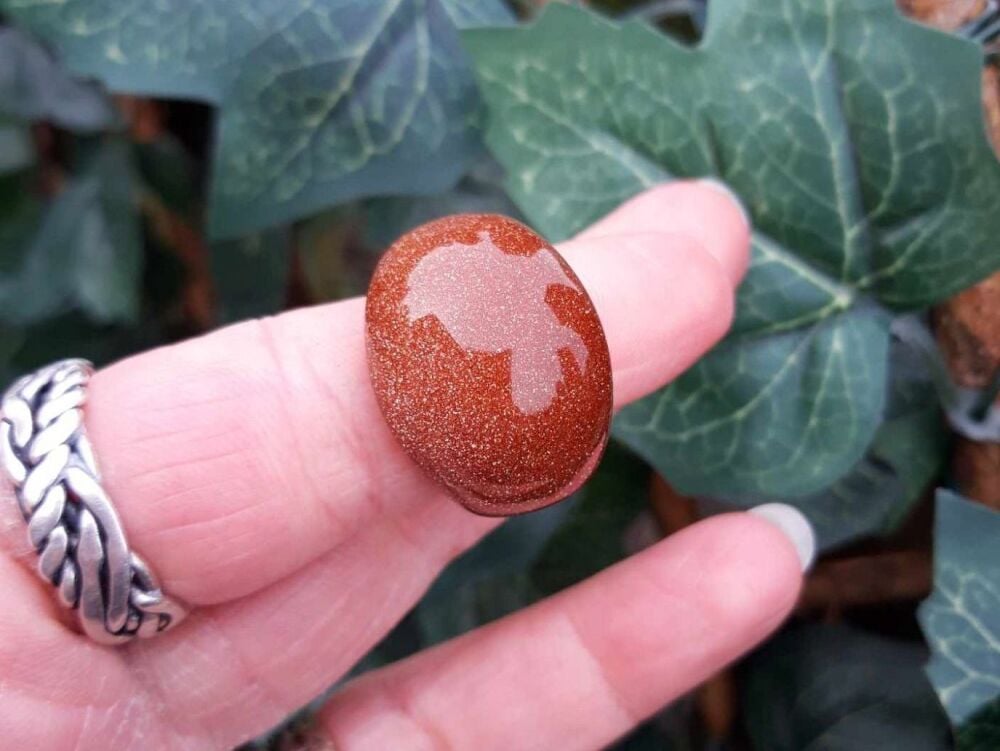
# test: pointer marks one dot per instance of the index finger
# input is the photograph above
(236, 458)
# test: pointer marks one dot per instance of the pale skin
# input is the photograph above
(252, 469)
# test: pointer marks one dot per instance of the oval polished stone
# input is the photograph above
(489, 362)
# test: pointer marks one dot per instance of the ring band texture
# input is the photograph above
(72, 524)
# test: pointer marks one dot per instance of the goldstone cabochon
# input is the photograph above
(489, 362)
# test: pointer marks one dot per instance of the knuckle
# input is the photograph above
(716, 300)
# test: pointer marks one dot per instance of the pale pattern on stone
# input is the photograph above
(493, 302)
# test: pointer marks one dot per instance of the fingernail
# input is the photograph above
(796, 527)
(721, 187)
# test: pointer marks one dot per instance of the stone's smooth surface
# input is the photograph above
(489, 362)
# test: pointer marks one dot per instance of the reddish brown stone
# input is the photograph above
(489, 362)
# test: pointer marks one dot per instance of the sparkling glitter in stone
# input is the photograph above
(489, 362)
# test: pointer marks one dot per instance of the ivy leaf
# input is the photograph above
(320, 102)
(86, 253)
(353, 99)
(877, 494)
(833, 688)
(34, 87)
(856, 140)
(961, 619)
(777, 416)
(184, 49)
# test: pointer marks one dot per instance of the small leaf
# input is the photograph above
(34, 87)
(251, 275)
(856, 140)
(321, 103)
(961, 619)
(833, 688)
(86, 253)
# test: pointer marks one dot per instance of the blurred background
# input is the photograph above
(152, 189)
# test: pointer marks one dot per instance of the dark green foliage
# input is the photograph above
(856, 140)
(251, 275)
(961, 619)
(981, 731)
(853, 136)
(877, 494)
(831, 688)
(346, 99)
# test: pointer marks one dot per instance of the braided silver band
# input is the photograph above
(72, 524)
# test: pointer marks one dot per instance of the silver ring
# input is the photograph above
(72, 524)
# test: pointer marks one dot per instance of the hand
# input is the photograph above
(253, 470)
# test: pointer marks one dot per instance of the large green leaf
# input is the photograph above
(961, 619)
(832, 688)
(856, 140)
(321, 101)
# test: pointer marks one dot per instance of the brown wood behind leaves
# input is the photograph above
(942, 14)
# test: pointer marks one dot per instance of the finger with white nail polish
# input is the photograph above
(796, 527)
